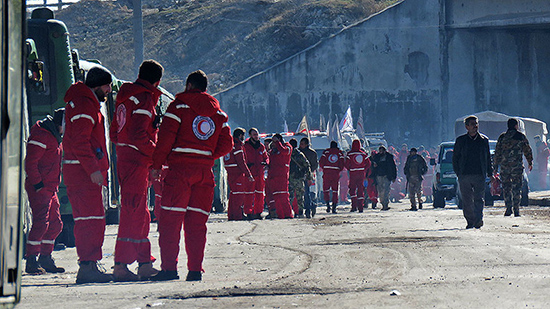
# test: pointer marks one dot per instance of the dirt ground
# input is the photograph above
(347, 260)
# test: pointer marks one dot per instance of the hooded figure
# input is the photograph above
(357, 163)
(194, 132)
(43, 169)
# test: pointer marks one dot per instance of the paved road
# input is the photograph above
(348, 260)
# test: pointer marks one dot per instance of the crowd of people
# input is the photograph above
(176, 156)
(277, 175)
(194, 133)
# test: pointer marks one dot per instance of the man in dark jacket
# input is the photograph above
(415, 167)
(311, 155)
(472, 163)
(300, 171)
(385, 171)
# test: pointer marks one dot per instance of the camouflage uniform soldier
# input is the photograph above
(511, 145)
(299, 171)
(414, 168)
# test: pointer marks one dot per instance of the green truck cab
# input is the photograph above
(445, 184)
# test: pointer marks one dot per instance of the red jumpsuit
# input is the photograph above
(256, 159)
(134, 133)
(357, 163)
(85, 152)
(43, 168)
(238, 176)
(194, 133)
(332, 162)
(277, 175)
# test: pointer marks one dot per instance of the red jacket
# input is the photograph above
(132, 128)
(43, 159)
(234, 161)
(332, 159)
(256, 158)
(84, 139)
(356, 160)
(279, 160)
(194, 130)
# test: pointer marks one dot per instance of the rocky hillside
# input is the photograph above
(228, 39)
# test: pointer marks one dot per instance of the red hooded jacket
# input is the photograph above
(43, 159)
(194, 130)
(234, 161)
(279, 160)
(356, 160)
(256, 158)
(332, 159)
(84, 139)
(132, 126)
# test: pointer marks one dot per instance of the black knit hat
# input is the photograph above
(58, 116)
(98, 76)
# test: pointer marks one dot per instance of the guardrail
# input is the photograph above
(54, 5)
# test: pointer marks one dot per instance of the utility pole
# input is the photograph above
(138, 35)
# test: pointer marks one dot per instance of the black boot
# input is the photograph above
(516, 211)
(374, 205)
(90, 273)
(419, 205)
(194, 276)
(328, 207)
(334, 208)
(308, 213)
(165, 275)
(48, 263)
(508, 212)
(313, 211)
(32, 267)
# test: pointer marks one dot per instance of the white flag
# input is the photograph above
(285, 127)
(303, 127)
(346, 124)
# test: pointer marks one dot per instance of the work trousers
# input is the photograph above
(133, 231)
(46, 221)
(472, 190)
(88, 212)
(186, 201)
(383, 189)
(331, 179)
(254, 199)
(357, 190)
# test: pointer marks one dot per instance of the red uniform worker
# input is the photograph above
(134, 131)
(85, 168)
(278, 173)
(331, 162)
(357, 163)
(43, 168)
(238, 176)
(194, 133)
(257, 160)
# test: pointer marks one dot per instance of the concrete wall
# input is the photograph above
(411, 76)
(387, 65)
(503, 65)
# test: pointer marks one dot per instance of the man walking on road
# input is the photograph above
(415, 167)
(357, 163)
(472, 163)
(85, 166)
(134, 132)
(299, 175)
(386, 172)
(511, 146)
(193, 134)
(332, 163)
